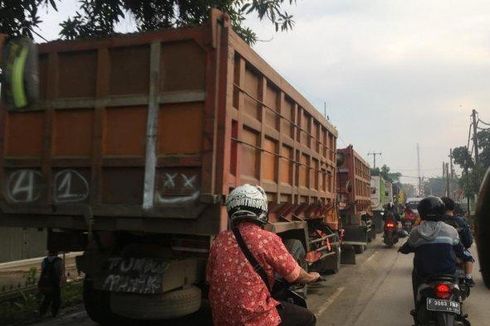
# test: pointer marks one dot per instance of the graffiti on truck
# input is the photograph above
(24, 186)
(135, 275)
(28, 185)
(70, 186)
(177, 189)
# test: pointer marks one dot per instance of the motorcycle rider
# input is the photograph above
(237, 294)
(463, 228)
(435, 244)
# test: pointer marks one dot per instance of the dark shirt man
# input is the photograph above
(463, 228)
(52, 277)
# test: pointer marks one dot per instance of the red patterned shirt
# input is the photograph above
(237, 294)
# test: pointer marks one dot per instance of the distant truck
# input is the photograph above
(354, 202)
(134, 146)
(381, 195)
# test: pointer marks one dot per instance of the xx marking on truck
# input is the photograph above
(189, 181)
(170, 180)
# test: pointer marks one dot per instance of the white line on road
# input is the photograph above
(329, 301)
(371, 257)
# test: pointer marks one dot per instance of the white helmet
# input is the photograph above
(247, 202)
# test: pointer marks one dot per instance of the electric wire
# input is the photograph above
(483, 122)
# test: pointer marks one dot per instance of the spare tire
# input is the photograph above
(169, 305)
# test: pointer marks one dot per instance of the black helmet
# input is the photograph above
(431, 208)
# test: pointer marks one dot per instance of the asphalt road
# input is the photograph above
(375, 291)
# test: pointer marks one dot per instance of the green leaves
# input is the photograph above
(98, 18)
(20, 17)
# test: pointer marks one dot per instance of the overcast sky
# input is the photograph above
(392, 72)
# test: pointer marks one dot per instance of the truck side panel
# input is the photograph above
(148, 132)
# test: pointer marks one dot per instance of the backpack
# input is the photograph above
(49, 279)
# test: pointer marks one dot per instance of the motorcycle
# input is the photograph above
(407, 225)
(440, 302)
(391, 234)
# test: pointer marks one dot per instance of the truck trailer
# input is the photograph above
(354, 202)
(133, 147)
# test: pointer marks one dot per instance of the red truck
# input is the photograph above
(354, 199)
(134, 146)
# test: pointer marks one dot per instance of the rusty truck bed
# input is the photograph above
(149, 132)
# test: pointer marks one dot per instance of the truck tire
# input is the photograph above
(98, 306)
(169, 305)
(359, 249)
(297, 250)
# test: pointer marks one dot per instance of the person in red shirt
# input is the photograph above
(237, 294)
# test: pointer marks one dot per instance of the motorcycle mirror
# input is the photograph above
(482, 228)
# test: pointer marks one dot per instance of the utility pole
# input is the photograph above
(444, 185)
(451, 162)
(374, 158)
(418, 170)
(475, 139)
(448, 184)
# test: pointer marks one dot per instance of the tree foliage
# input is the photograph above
(21, 17)
(98, 18)
(472, 172)
(462, 157)
(484, 147)
(384, 172)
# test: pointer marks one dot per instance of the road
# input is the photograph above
(375, 291)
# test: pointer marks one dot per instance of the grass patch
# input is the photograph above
(25, 308)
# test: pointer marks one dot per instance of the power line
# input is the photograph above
(39, 35)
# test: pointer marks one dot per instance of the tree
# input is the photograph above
(484, 146)
(20, 17)
(98, 18)
(462, 157)
(386, 174)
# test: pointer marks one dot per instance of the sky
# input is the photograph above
(393, 73)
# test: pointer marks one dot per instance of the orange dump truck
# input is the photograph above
(354, 199)
(133, 147)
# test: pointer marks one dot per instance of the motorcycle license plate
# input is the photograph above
(443, 305)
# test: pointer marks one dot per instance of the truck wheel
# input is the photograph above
(297, 250)
(98, 305)
(169, 305)
(359, 249)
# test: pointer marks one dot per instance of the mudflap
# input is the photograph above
(378, 222)
(356, 233)
(348, 255)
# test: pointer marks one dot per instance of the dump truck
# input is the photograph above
(354, 202)
(133, 147)
(379, 198)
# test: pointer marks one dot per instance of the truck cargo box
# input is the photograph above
(149, 132)
(354, 191)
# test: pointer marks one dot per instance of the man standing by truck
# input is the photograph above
(238, 295)
(50, 281)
